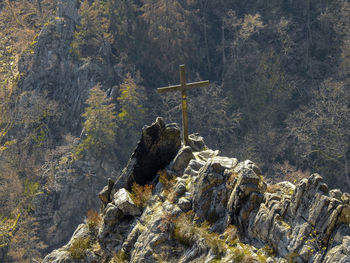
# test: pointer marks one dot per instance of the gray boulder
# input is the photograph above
(182, 159)
(123, 201)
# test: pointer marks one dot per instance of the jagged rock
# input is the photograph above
(105, 193)
(158, 146)
(196, 142)
(246, 195)
(336, 193)
(210, 194)
(123, 201)
(207, 154)
(340, 253)
(180, 188)
(220, 164)
(63, 255)
(184, 204)
(182, 159)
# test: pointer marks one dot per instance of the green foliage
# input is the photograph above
(131, 112)
(130, 101)
(92, 30)
(7, 227)
(99, 126)
(30, 188)
(78, 247)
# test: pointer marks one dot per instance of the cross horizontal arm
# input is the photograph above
(187, 86)
(170, 88)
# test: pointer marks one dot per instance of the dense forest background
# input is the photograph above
(279, 93)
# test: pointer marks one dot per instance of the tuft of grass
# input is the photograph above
(168, 181)
(141, 194)
(78, 247)
(119, 257)
(93, 219)
(273, 188)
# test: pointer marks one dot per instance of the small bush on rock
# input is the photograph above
(168, 182)
(79, 246)
(119, 257)
(93, 219)
(141, 194)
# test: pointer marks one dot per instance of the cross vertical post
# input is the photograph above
(183, 87)
(184, 104)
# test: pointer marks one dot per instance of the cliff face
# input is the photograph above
(208, 208)
(70, 191)
(52, 69)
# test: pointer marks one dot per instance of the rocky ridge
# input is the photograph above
(209, 208)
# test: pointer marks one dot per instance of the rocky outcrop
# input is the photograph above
(219, 210)
(63, 204)
(159, 145)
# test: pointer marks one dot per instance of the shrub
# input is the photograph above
(141, 194)
(79, 246)
(119, 257)
(184, 231)
(93, 219)
(168, 182)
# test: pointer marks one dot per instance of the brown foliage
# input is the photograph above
(141, 194)
(93, 219)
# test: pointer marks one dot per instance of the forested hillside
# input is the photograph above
(78, 81)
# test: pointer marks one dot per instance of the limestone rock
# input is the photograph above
(105, 193)
(123, 201)
(246, 195)
(210, 194)
(193, 167)
(63, 254)
(182, 159)
(185, 204)
(220, 164)
(196, 142)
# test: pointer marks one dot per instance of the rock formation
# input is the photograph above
(209, 208)
(52, 69)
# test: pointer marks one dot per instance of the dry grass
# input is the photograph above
(141, 194)
(168, 181)
(93, 219)
(78, 247)
(273, 188)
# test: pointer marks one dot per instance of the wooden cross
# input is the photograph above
(183, 87)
